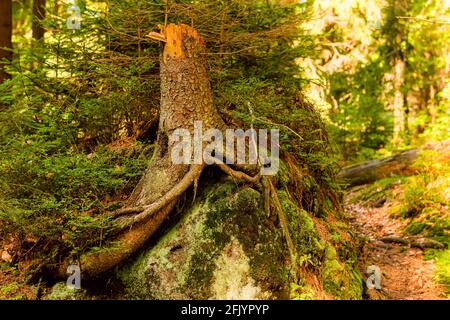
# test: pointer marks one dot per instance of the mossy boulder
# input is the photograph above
(224, 247)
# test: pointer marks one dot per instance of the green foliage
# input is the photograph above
(427, 192)
(361, 125)
(59, 199)
(377, 191)
(442, 259)
(360, 74)
(424, 201)
(301, 292)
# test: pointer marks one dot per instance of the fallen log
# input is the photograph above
(395, 165)
(421, 243)
(373, 170)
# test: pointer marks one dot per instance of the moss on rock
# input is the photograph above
(61, 291)
(225, 246)
(340, 279)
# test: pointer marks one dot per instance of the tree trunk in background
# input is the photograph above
(56, 7)
(38, 16)
(5, 35)
(416, 101)
(399, 108)
(432, 105)
(412, 126)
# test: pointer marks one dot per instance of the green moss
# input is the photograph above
(340, 280)
(238, 213)
(416, 228)
(303, 231)
(221, 213)
(336, 237)
(60, 291)
(331, 271)
(283, 175)
(255, 231)
(302, 292)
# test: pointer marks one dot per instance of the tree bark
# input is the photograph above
(432, 105)
(5, 36)
(399, 107)
(38, 15)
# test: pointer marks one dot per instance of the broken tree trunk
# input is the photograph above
(399, 164)
(186, 98)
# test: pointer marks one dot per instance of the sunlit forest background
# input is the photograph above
(79, 109)
(383, 67)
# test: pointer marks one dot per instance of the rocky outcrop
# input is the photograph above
(224, 247)
(227, 247)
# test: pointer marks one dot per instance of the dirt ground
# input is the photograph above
(405, 273)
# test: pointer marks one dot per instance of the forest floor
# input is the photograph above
(409, 271)
(13, 285)
(406, 274)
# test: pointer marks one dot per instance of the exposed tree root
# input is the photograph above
(266, 192)
(191, 178)
(284, 226)
(95, 263)
(238, 174)
(148, 210)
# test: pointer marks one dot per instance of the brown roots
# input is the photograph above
(137, 229)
